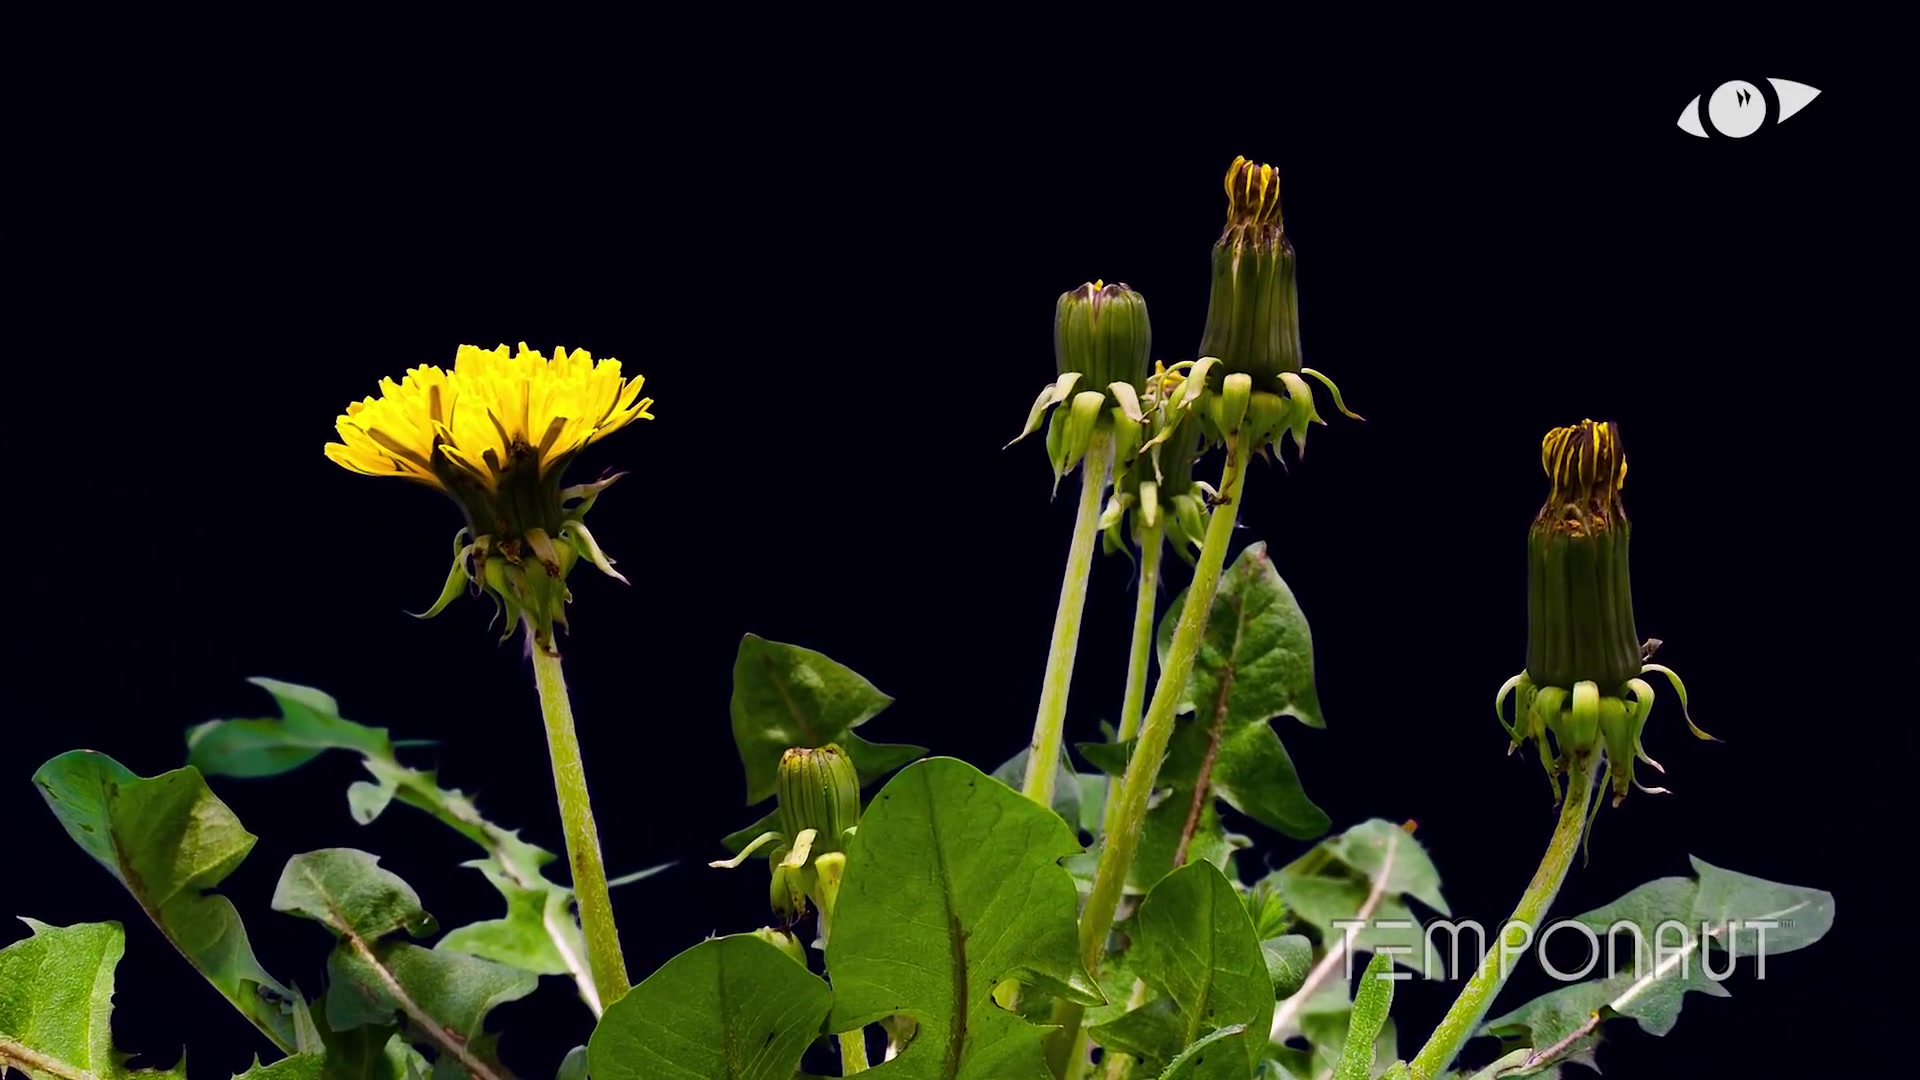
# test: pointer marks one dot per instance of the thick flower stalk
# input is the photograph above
(1583, 688)
(1101, 340)
(495, 434)
(1253, 323)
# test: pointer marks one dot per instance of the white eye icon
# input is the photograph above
(1738, 108)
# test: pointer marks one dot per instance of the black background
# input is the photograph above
(837, 275)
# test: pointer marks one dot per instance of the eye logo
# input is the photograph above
(1739, 108)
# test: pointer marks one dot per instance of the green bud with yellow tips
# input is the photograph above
(1582, 692)
(1253, 323)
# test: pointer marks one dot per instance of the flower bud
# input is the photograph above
(1102, 332)
(1101, 341)
(1579, 596)
(1252, 324)
(819, 790)
(1582, 687)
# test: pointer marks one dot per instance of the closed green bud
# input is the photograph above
(819, 790)
(1253, 324)
(1101, 343)
(1102, 332)
(1582, 691)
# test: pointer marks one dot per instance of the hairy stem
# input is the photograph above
(1156, 730)
(1139, 655)
(1043, 754)
(604, 960)
(1468, 1009)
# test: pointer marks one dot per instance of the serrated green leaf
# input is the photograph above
(1334, 881)
(1166, 820)
(441, 999)
(786, 696)
(56, 1005)
(301, 1067)
(1255, 665)
(730, 1008)
(953, 885)
(536, 918)
(1194, 944)
(310, 723)
(170, 841)
(1370, 1007)
(1681, 924)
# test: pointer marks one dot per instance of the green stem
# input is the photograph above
(1468, 1009)
(1156, 730)
(583, 840)
(1139, 656)
(853, 1051)
(1043, 754)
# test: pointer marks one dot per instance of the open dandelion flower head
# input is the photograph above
(495, 433)
(493, 412)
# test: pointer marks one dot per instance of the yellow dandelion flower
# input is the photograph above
(493, 413)
(495, 433)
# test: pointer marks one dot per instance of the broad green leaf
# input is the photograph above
(539, 932)
(1370, 1007)
(1336, 880)
(56, 1004)
(574, 1067)
(441, 999)
(170, 842)
(1254, 666)
(1194, 944)
(786, 696)
(730, 1008)
(953, 885)
(1683, 934)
